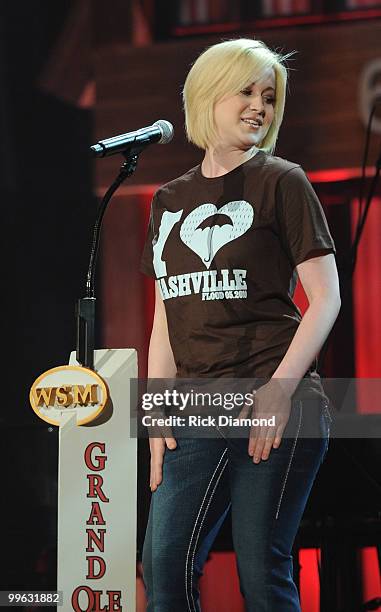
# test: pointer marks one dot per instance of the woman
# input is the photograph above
(225, 243)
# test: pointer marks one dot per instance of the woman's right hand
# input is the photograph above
(158, 447)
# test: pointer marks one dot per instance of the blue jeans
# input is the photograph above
(202, 480)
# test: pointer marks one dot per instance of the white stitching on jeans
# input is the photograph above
(328, 420)
(290, 461)
(194, 528)
(201, 524)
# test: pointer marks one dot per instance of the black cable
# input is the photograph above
(361, 224)
(364, 162)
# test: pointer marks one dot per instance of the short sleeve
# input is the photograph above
(146, 262)
(302, 223)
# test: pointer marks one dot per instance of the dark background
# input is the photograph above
(49, 207)
(48, 195)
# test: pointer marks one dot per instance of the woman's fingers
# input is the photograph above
(260, 445)
(264, 451)
(157, 448)
(278, 436)
(263, 439)
(170, 443)
(253, 438)
(271, 402)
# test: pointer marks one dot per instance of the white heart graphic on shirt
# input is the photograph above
(206, 242)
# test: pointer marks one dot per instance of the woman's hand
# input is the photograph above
(158, 446)
(270, 400)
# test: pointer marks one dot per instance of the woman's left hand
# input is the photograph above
(270, 400)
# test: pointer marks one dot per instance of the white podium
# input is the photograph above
(97, 485)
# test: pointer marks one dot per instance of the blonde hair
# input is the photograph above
(227, 68)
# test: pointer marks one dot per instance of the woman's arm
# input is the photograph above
(320, 282)
(161, 364)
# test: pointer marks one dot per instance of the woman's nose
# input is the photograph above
(257, 104)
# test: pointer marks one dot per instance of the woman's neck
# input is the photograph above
(219, 162)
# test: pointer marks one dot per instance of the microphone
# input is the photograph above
(161, 132)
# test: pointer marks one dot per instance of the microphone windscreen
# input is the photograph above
(166, 129)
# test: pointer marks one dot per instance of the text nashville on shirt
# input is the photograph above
(212, 284)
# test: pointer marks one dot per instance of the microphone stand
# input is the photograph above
(85, 307)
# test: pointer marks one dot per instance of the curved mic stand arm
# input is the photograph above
(85, 307)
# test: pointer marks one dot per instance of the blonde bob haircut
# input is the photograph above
(226, 69)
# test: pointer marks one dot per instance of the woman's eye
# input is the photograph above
(267, 99)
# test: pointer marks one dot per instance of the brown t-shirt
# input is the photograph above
(224, 252)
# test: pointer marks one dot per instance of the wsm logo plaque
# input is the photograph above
(68, 389)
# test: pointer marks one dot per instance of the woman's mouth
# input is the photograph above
(254, 124)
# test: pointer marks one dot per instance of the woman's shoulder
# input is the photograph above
(175, 186)
(280, 165)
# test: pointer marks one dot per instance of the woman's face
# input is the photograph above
(243, 120)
